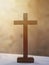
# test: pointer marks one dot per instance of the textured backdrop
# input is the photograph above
(11, 36)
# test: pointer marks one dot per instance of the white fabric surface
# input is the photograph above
(11, 59)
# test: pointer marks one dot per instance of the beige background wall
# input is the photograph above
(11, 36)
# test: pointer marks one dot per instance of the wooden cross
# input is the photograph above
(25, 22)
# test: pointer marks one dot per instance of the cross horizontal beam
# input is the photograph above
(30, 22)
(18, 22)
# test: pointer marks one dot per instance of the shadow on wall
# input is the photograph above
(42, 42)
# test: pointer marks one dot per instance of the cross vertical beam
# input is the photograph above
(25, 36)
(25, 22)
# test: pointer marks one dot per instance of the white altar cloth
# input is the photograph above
(11, 59)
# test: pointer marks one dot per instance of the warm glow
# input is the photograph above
(11, 10)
